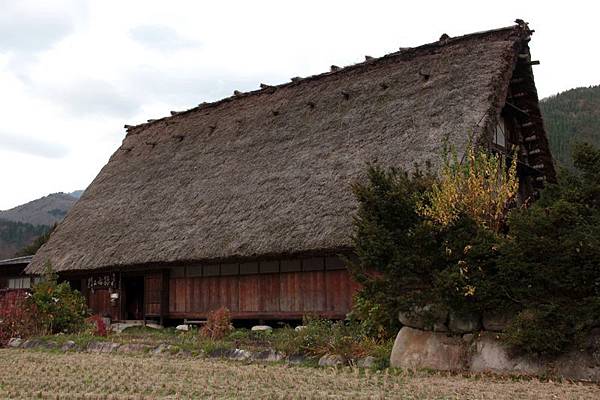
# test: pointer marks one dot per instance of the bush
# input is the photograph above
(17, 319)
(218, 324)
(58, 307)
(544, 330)
(480, 187)
(421, 243)
(97, 326)
(321, 336)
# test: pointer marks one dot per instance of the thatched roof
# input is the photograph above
(269, 172)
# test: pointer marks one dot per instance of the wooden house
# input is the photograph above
(246, 202)
(13, 280)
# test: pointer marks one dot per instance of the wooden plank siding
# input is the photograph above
(99, 302)
(277, 295)
(272, 289)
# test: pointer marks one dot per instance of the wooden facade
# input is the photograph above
(272, 289)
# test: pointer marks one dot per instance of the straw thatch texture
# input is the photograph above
(269, 172)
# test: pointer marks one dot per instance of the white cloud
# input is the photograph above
(161, 37)
(27, 145)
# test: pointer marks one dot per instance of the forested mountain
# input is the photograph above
(16, 235)
(570, 117)
(22, 225)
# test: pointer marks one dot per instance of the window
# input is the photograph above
(500, 136)
(19, 283)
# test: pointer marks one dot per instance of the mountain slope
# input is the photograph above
(44, 211)
(16, 235)
(570, 117)
(20, 226)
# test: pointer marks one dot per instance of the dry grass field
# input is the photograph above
(34, 374)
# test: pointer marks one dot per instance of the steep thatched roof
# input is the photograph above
(268, 172)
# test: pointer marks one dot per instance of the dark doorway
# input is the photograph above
(134, 297)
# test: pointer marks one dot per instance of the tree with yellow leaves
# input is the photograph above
(479, 186)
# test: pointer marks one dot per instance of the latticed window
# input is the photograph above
(19, 283)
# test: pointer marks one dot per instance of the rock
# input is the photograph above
(119, 327)
(152, 325)
(184, 353)
(261, 328)
(490, 355)
(69, 345)
(366, 362)
(15, 342)
(50, 345)
(426, 318)
(578, 365)
(414, 348)
(183, 328)
(268, 356)
(33, 343)
(102, 347)
(582, 363)
(133, 348)
(296, 359)
(495, 323)
(165, 348)
(468, 337)
(463, 323)
(299, 328)
(332, 360)
(232, 354)
(239, 355)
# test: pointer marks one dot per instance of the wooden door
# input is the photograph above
(156, 295)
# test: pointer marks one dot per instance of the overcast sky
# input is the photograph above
(73, 72)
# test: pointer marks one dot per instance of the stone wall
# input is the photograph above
(472, 344)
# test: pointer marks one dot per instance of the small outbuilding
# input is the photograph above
(246, 202)
(13, 280)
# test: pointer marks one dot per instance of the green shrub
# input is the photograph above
(322, 336)
(59, 308)
(545, 330)
(540, 264)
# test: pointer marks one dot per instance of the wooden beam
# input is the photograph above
(524, 112)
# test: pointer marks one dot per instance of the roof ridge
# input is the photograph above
(521, 28)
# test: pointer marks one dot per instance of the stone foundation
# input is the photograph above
(483, 351)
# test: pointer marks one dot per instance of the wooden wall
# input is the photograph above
(277, 295)
(271, 289)
(99, 302)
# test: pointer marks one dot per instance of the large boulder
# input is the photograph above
(414, 348)
(495, 322)
(578, 365)
(582, 363)
(463, 323)
(426, 318)
(489, 354)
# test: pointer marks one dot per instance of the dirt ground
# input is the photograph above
(26, 374)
